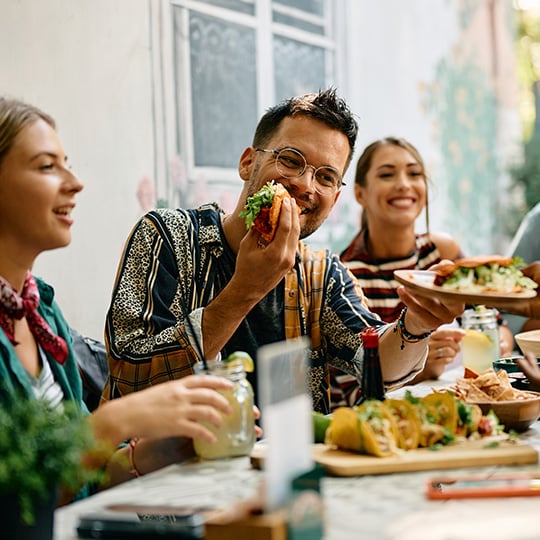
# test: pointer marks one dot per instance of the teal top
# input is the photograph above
(15, 378)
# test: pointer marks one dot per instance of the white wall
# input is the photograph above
(87, 64)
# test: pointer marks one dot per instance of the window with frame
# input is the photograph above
(232, 60)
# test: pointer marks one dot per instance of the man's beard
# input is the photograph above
(309, 228)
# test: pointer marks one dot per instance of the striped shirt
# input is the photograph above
(376, 276)
(176, 261)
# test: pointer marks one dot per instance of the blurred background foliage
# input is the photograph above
(525, 174)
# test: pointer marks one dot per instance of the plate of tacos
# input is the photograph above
(383, 428)
(490, 280)
(417, 433)
(437, 431)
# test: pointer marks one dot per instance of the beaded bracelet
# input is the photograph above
(406, 336)
(132, 443)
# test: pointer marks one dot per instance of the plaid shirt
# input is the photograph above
(167, 272)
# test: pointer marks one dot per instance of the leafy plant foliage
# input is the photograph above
(41, 449)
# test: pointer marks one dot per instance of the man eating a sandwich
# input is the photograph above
(196, 282)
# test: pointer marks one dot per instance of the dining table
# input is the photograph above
(371, 506)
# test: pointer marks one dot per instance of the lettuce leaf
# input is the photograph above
(263, 197)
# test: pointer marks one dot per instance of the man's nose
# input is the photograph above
(307, 179)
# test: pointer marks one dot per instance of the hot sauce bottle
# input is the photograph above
(372, 381)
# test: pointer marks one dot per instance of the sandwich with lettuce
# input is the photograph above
(484, 274)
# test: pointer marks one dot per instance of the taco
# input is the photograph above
(378, 428)
(430, 431)
(407, 422)
(344, 430)
(443, 408)
(469, 417)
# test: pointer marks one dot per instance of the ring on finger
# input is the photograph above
(440, 352)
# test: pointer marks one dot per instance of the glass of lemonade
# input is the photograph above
(236, 436)
(480, 346)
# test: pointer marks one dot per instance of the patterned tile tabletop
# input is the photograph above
(373, 507)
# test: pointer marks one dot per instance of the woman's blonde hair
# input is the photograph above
(364, 163)
(14, 116)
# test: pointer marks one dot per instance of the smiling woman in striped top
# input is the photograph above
(391, 186)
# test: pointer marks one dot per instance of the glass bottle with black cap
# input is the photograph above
(372, 381)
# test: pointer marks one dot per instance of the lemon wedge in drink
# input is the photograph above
(476, 339)
(240, 358)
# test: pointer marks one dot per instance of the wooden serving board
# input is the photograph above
(475, 453)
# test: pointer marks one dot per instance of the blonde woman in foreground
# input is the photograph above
(37, 197)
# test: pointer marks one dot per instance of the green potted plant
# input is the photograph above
(41, 450)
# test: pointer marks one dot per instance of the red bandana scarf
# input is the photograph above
(15, 306)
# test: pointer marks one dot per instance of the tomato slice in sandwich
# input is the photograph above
(263, 208)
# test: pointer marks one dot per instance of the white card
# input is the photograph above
(285, 416)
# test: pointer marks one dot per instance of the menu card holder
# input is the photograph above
(286, 417)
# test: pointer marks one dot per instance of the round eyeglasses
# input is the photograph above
(291, 163)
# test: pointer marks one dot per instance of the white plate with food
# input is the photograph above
(422, 282)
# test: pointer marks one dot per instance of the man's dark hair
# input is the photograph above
(325, 106)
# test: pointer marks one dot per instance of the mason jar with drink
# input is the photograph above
(480, 346)
(236, 436)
